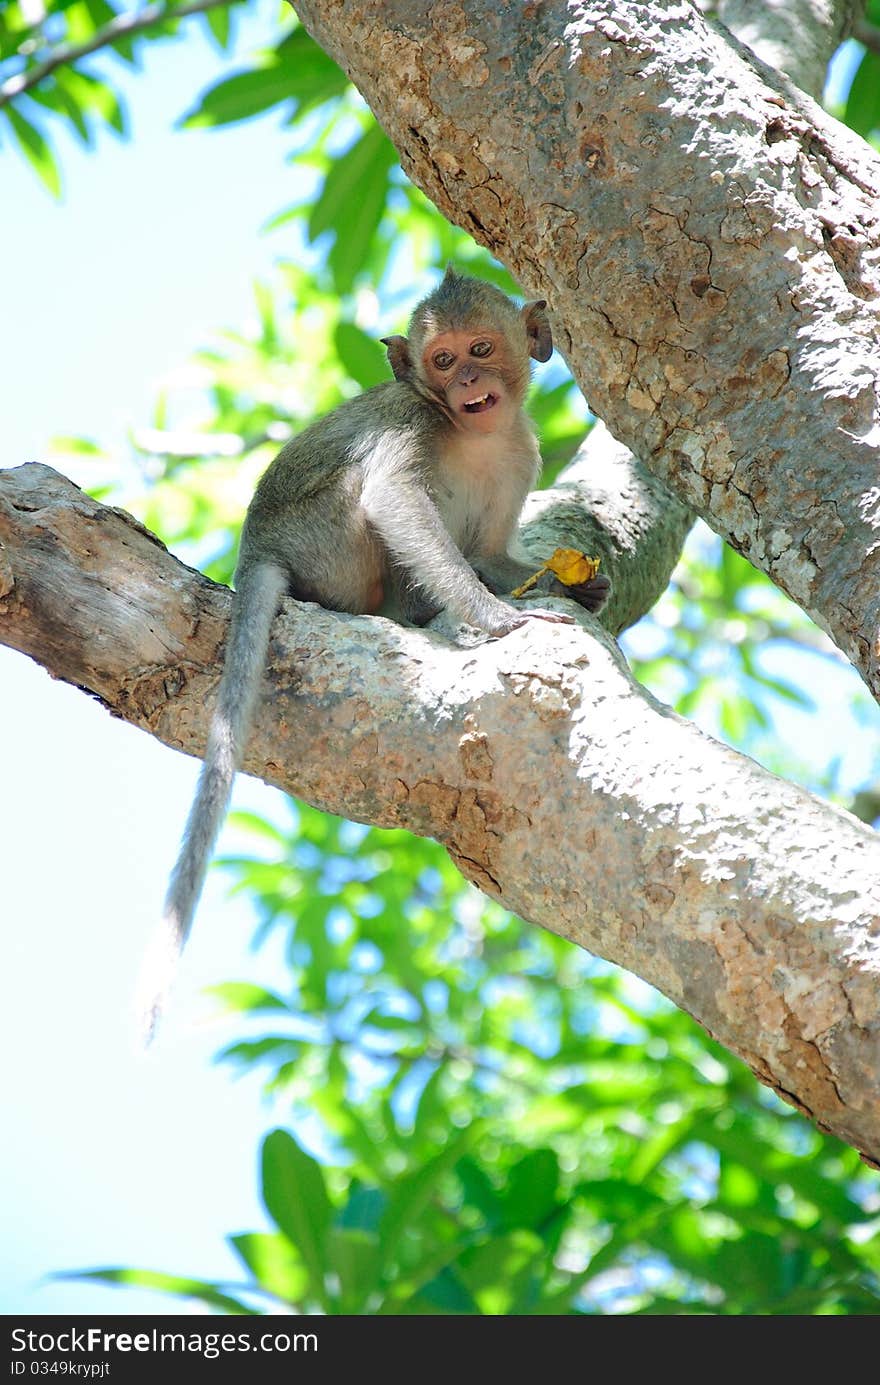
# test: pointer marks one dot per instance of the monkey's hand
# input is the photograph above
(509, 619)
(570, 573)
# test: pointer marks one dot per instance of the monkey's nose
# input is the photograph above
(467, 374)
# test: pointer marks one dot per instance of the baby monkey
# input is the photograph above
(404, 500)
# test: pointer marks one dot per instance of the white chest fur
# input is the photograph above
(480, 485)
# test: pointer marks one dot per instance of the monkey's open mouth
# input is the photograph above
(476, 406)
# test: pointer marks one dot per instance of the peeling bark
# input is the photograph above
(708, 240)
(555, 783)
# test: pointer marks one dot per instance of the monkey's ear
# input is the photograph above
(399, 357)
(538, 329)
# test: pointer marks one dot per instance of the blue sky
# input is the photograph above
(108, 1157)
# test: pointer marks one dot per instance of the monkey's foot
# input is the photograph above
(592, 595)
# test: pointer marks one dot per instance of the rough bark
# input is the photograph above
(556, 784)
(797, 37)
(708, 239)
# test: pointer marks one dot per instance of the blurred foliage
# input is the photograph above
(483, 1118)
(48, 53)
(488, 1120)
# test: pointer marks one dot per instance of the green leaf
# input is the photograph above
(412, 1191)
(296, 1199)
(99, 12)
(102, 14)
(480, 1191)
(239, 97)
(532, 1189)
(253, 822)
(664, 1139)
(56, 98)
(313, 75)
(363, 358)
(364, 1209)
(265, 301)
(297, 211)
(501, 1273)
(219, 22)
(275, 1264)
(355, 1256)
(619, 1199)
(862, 111)
(734, 573)
(35, 150)
(249, 1052)
(375, 1019)
(83, 447)
(242, 997)
(443, 1294)
(431, 1111)
(788, 691)
(554, 412)
(351, 203)
(298, 71)
(202, 1289)
(89, 94)
(769, 1166)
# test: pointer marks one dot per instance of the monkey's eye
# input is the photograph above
(443, 359)
(481, 348)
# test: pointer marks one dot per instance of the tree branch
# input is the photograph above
(797, 37)
(868, 34)
(123, 26)
(708, 239)
(556, 784)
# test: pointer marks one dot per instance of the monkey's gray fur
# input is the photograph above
(405, 500)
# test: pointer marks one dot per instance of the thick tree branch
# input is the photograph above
(557, 785)
(708, 239)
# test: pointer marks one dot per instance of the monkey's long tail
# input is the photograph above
(257, 598)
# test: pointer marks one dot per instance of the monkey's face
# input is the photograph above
(477, 372)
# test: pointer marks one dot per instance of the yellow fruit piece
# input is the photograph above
(572, 567)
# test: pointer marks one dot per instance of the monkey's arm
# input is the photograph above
(396, 503)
